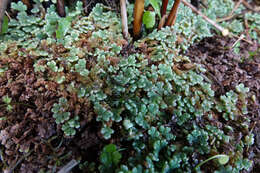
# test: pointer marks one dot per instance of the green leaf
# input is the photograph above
(9, 108)
(156, 6)
(63, 27)
(7, 99)
(60, 79)
(81, 92)
(80, 67)
(63, 101)
(5, 25)
(223, 159)
(149, 19)
(107, 132)
(127, 124)
(52, 65)
(116, 157)
(110, 156)
(241, 88)
(19, 6)
(56, 108)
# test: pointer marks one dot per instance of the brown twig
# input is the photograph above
(19, 161)
(236, 7)
(224, 31)
(172, 16)
(238, 40)
(238, 37)
(9, 17)
(86, 4)
(247, 5)
(230, 16)
(162, 22)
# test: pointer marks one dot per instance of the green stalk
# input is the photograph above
(222, 158)
(3, 6)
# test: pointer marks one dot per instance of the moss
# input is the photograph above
(147, 99)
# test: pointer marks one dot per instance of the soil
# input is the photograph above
(32, 127)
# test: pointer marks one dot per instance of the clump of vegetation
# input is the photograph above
(63, 117)
(150, 97)
(109, 158)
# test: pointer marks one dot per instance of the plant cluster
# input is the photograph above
(26, 28)
(220, 9)
(155, 99)
(109, 158)
(69, 125)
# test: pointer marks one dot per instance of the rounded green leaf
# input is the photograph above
(127, 124)
(223, 159)
(149, 19)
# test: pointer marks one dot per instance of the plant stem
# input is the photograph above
(3, 6)
(172, 16)
(124, 18)
(17, 103)
(138, 14)
(20, 160)
(164, 7)
(61, 8)
(213, 157)
(162, 22)
(247, 5)
(85, 6)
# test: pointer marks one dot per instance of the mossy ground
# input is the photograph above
(165, 111)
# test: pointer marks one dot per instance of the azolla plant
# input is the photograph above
(146, 95)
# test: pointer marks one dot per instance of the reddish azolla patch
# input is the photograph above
(29, 127)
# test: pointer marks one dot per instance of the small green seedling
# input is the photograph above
(222, 159)
(149, 19)
(7, 100)
(110, 157)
